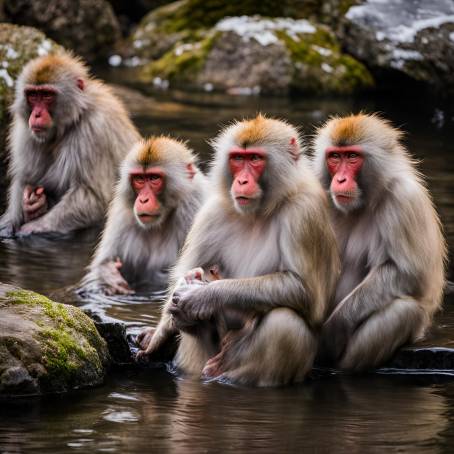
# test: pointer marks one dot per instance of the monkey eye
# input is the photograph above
(353, 155)
(237, 157)
(256, 157)
(154, 177)
(32, 97)
(138, 181)
(48, 96)
(335, 156)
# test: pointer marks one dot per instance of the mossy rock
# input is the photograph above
(47, 347)
(256, 54)
(18, 45)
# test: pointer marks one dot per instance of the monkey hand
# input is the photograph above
(336, 333)
(34, 203)
(113, 283)
(190, 305)
(154, 344)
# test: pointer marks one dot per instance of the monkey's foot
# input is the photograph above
(213, 367)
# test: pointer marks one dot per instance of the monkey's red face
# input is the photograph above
(246, 167)
(41, 100)
(147, 184)
(344, 164)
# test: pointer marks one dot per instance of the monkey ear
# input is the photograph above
(81, 84)
(191, 171)
(294, 149)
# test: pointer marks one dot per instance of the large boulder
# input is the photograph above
(406, 38)
(46, 346)
(242, 54)
(89, 27)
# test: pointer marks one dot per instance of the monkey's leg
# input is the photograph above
(280, 350)
(196, 348)
(375, 340)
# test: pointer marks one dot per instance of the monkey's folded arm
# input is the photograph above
(260, 294)
(382, 285)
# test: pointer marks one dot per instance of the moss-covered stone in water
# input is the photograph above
(70, 344)
(196, 14)
(182, 63)
(320, 65)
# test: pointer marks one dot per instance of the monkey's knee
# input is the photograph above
(283, 349)
(402, 322)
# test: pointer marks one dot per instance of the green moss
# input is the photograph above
(310, 51)
(195, 14)
(63, 356)
(71, 341)
(181, 67)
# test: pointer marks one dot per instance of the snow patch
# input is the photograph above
(11, 53)
(323, 51)
(181, 49)
(115, 60)
(44, 48)
(401, 56)
(263, 30)
(162, 84)
(327, 68)
(400, 21)
(7, 78)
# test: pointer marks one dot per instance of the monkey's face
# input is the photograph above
(246, 166)
(148, 184)
(344, 165)
(41, 101)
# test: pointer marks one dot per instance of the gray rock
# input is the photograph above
(245, 55)
(411, 37)
(46, 347)
(89, 27)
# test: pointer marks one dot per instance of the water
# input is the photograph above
(153, 410)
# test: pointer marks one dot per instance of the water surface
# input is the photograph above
(153, 410)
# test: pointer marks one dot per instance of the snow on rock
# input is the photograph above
(401, 20)
(263, 30)
(414, 37)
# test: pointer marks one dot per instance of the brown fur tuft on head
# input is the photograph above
(360, 128)
(253, 132)
(50, 68)
(163, 148)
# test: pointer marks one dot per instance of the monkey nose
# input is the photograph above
(341, 180)
(144, 200)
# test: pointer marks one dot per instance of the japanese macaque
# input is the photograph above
(266, 229)
(389, 235)
(68, 136)
(159, 192)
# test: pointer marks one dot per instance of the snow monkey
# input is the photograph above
(68, 136)
(390, 238)
(159, 192)
(266, 229)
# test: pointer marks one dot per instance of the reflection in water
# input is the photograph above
(151, 410)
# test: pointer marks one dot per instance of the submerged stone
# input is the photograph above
(47, 347)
